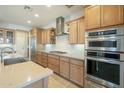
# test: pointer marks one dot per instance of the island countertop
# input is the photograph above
(22, 74)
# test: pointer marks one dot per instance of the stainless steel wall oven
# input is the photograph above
(105, 57)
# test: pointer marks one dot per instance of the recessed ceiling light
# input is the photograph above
(29, 21)
(36, 15)
(48, 5)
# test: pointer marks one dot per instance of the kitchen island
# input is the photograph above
(24, 75)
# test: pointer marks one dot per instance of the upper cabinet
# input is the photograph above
(73, 28)
(92, 17)
(76, 31)
(111, 15)
(81, 31)
(48, 36)
(44, 36)
(37, 32)
(103, 16)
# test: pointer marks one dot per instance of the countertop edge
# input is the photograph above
(49, 72)
(63, 55)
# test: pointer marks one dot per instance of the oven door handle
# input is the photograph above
(104, 60)
(104, 39)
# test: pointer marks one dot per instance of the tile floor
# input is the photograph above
(56, 81)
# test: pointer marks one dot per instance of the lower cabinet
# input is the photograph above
(39, 58)
(54, 68)
(34, 57)
(54, 63)
(64, 67)
(44, 61)
(76, 71)
(69, 68)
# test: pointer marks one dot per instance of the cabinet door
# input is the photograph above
(54, 68)
(81, 31)
(92, 15)
(39, 58)
(38, 36)
(64, 67)
(77, 71)
(1, 36)
(44, 59)
(54, 63)
(76, 74)
(47, 36)
(43, 37)
(73, 28)
(111, 15)
(34, 57)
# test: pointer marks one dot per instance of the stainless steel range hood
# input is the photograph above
(60, 26)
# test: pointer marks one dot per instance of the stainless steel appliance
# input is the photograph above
(107, 40)
(107, 71)
(33, 48)
(105, 58)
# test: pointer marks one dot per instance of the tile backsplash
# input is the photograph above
(62, 44)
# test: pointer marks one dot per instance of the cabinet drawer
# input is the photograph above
(44, 58)
(77, 62)
(66, 59)
(54, 56)
(54, 68)
(44, 54)
(53, 61)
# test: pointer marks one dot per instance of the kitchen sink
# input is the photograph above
(10, 61)
(58, 52)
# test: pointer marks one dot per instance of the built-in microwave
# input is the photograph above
(106, 40)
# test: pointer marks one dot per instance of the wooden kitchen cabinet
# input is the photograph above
(77, 31)
(48, 36)
(73, 28)
(111, 15)
(34, 57)
(37, 32)
(39, 57)
(54, 63)
(92, 17)
(81, 31)
(44, 59)
(77, 71)
(64, 67)
(43, 37)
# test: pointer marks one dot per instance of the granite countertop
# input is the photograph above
(65, 55)
(22, 74)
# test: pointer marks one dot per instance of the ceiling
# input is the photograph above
(16, 14)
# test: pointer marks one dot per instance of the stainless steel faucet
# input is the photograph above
(3, 51)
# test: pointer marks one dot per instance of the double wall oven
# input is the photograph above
(105, 58)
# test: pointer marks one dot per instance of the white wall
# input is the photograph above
(62, 44)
